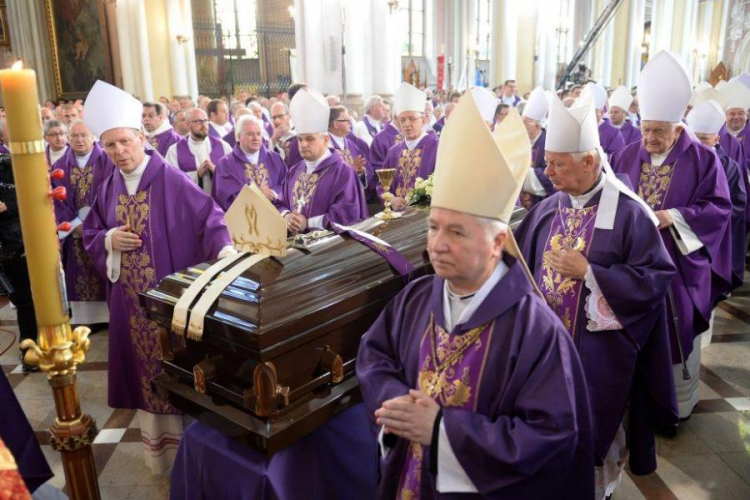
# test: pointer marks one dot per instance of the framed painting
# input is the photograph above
(4, 33)
(80, 46)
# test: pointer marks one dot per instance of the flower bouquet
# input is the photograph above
(421, 195)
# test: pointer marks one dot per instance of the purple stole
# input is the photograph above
(370, 128)
(630, 133)
(450, 372)
(186, 159)
(385, 140)
(162, 142)
(305, 186)
(349, 152)
(230, 138)
(418, 162)
(570, 228)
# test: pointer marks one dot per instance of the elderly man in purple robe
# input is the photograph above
(619, 104)
(86, 167)
(257, 110)
(706, 120)
(684, 183)
(501, 411)
(56, 136)
(284, 137)
(537, 185)
(159, 132)
(590, 246)
(415, 155)
(181, 124)
(609, 136)
(148, 220)
(231, 137)
(321, 188)
(249, 163)
(736, 98)
(339, 127)
(509, 95)
(218, 115)
(198, 154)
(371, 123)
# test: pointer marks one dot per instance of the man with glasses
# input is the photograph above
(415, 155)
(198, 154)
(159, 132)
(339, 127)
(684, 183)
(56, 135)
(284, 138)
(86, 167)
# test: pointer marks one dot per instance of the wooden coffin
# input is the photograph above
(278, 351)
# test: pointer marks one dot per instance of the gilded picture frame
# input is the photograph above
(4, 32)
(80, 46)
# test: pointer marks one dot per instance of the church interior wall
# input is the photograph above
(158, 43)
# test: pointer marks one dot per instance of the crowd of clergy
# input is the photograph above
(537, 361)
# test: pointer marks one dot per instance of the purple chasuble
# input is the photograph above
(186, 159)
(733, 148)
(332, 190)
(609, 137)
(630, 365)
(4, 149)
(514, 405)
(410, 164)
(630, 133)
(381, 143)
(234, 171)
(692, 181)
(19, 438)
(744, 139)
(82, 281)
(290, 148)
(162, 142)
(738, 195)
(439, 124)
(350, 151)
(179, 226)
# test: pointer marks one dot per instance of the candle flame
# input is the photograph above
(17, 65)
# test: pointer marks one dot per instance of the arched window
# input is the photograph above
(483, 28)
(411, 25)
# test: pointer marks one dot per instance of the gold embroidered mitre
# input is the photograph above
(255, 225)
(479, 172)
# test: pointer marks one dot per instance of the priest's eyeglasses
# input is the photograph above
(55, 134)
(410, 119)
(202, 122)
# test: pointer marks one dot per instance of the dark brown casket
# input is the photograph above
(278, 351)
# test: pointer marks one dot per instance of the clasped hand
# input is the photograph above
(411, 416)
(570, 263)
(123, 240)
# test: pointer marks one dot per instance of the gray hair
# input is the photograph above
(75, 122)
(371, 101)
(578, 157)
(241, 124)
(492, 227)
(235, 106)
(50, 124)
(254, 105)
(283, 106)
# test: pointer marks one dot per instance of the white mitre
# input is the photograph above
(108, 107)
(621, 98)
(708, 95)
(599, 94)
(706, 118)
(310, 111)
(537, 105)
(409, 98)
(736, 95)
(664, 89)
(573, 129)
(487, 103)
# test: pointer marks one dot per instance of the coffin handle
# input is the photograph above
(267, 395)
(333, 364)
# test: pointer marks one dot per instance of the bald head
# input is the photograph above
(198, 123)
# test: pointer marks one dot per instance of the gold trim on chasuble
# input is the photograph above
(305, 186)
(87, 287)
(257, 174)
(137, 275)
(408, 166)
(556, 288)
(654, 183)
(81, 179)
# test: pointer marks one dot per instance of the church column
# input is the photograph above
(703, 39)
(661, 26)
(636, 20)
(526, 49)
(134, 51)
(159, 41)
(27, 25)
(179, 26)
(504, 41)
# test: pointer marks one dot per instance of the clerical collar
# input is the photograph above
(161, 129)
(203, 141)
(81, 161)
(338, 140)
(410, 145)
(578, 202)
(252, 158)
(136, 174)
(458, 310)
(374, 122)
(508, 100)
(735, 133)
(658, 158)
(312, 165)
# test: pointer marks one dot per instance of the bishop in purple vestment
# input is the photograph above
(86, 167)
(385, 140)
(339, 129)
(159, 131)
(249, 163)
(619, 104)
(413, 157)
(609, 137)
(148, 220)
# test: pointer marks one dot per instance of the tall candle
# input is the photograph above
(35, 207)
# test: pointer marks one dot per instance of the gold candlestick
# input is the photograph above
(58, 350)
(386, 176)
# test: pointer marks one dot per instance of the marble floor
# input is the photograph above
(709, 458)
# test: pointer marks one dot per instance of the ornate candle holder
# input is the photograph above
(386, 176)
